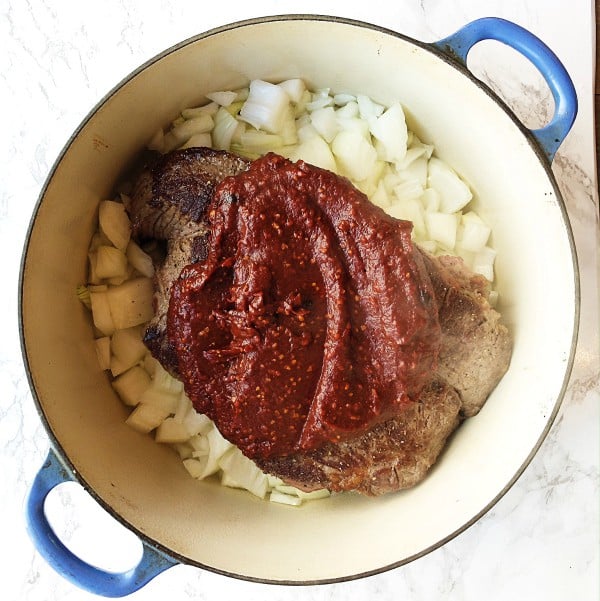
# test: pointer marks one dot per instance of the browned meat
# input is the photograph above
(476, 346)
(394, 454)
(397, 454)
(168, 203)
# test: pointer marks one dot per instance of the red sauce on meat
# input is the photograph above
(312, 317)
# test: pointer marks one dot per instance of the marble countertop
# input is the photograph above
(541, 540)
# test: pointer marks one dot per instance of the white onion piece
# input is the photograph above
(110, 262)
(442, 227)
(354, 154)
(454, 193)
(207, 109)
(294, 88)
(368, 109)
(241, 472)
(343, 99)
(131, 385)
(198, 140)
(431, 200)
(325, 123)
(114, 223)
(139, 260)
(416, 170)
(316, 151)
(101, 312)
(381, 197)
(265, 107)
(145, 418)
(390, 129)
(410, 209)
(225, 127)
(473, 235)
(348, 111)
(319, 99)
(222, 98)
(171, 431)
(483, 262)
(284, 499)
(103, 351)
(355, 125)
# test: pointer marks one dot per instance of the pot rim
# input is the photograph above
(438, 53)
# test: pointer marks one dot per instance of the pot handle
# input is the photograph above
(68, 565)
(458, 45)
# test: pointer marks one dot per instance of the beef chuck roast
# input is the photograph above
(168, 203)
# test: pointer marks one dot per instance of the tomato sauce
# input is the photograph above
(312, 317)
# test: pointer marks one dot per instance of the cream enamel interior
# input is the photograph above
(347, 535)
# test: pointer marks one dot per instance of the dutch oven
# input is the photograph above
(144, 485)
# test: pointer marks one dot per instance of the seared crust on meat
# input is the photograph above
(169, 198)
(476, 346)
(168, 203)
(392, 455)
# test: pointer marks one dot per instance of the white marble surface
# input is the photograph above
(541, 541)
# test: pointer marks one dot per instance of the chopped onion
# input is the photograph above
(410, 209)
(381, 197)
(348, 111)
(321, 98)
(198, 140)
(416, 170)
(354, 154)
(145, 418)
(315, 151)
(114, 223)
(473, 234)
(284, 499)
(356, 125)
(343, 99)
(141, 261)
(217, 447)
(305, 130)
(101, 313)
(131, 303)
(241, 472)
(171, 431)
(325, 122)
(265, 107)
(131, 385)
(207, 109)
(390, 129)
(260, 142)
(483, 262)
(161, 399)
(409, 190)
(454, 193)
(194, 467)
(127, 347)
(431, 200)
(367, 108)
(225, 127)
(294, 88)
(110, 262)
(103, 351)
(222, 98)
(442, 227)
